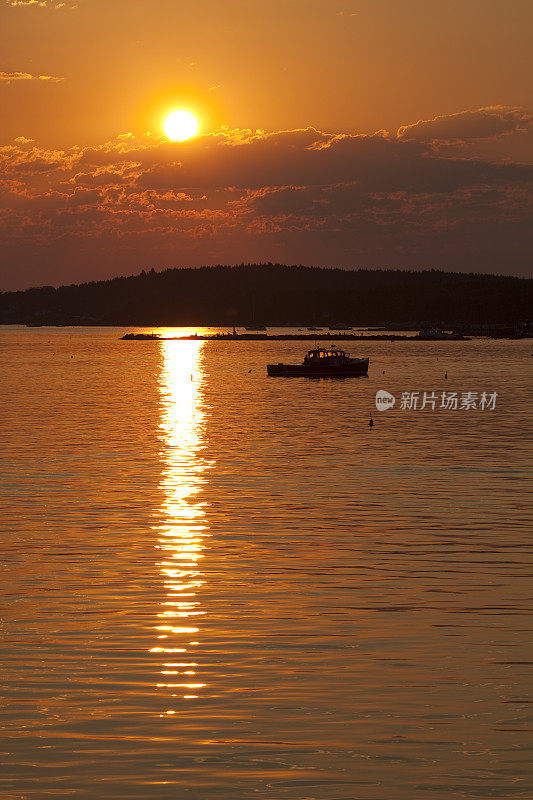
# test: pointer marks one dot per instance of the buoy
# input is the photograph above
(371, 423)
(383, 373)
(446, 375)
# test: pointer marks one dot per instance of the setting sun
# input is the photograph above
(180, 125)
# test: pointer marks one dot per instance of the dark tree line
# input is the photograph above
(274, 294)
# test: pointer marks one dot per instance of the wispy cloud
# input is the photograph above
(41, 3)
(11, 77)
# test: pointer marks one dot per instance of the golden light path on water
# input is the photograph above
(182, 532)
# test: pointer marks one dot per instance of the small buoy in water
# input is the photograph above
(446, 375)
(191, 376)
(249, 371)
(383, 372)
(371, 423)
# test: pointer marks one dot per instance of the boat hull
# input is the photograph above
(354, 370)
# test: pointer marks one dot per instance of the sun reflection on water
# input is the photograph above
(182, 532)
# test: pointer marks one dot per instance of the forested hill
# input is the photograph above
(274, 294)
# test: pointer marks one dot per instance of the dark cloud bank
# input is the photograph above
(416, 199)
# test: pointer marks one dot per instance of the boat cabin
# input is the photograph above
(320, 355)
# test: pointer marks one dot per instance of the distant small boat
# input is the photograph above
(435, 334)
(340, 326)
(322, 363)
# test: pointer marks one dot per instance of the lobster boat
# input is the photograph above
(322, 362)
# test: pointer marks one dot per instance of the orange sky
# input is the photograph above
(74, 76)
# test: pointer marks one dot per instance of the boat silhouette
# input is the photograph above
(322, 363)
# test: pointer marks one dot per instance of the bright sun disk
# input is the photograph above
(180, 125)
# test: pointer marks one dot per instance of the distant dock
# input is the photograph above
(274, 337)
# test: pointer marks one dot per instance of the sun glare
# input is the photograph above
(180, 125)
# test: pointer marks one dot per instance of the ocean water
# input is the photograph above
(221, 585)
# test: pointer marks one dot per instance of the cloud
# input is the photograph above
(481, 123)
(11, 77)
(311, 158)
(41, 4)
(296, 195)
